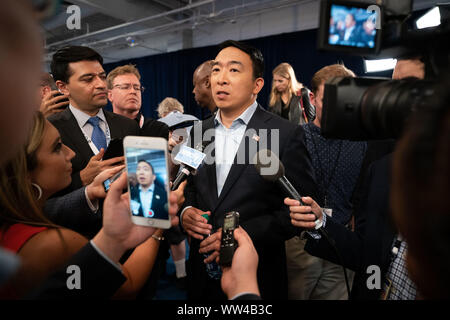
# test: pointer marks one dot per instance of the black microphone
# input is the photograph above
(182, 175)
(271, 168)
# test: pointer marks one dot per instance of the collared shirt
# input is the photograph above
(146, 197)
(402, 287)
(227, 141)
(82, 120)
(337, 165)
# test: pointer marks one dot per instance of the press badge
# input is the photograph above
(328, 211)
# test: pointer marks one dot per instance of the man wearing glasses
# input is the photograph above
(125, 93)
(84, 126)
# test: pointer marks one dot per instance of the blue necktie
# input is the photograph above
(98, 137)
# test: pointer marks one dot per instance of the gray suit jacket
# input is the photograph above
(73, 212)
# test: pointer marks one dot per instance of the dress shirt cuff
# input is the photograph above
(181, 215)
(242, 294)
(100, 252)
(92, 206)
(315, 234)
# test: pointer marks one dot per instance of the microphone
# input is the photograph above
(270, 168)
(265, 160)
(190, 160)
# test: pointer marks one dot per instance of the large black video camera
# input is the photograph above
(376, 108)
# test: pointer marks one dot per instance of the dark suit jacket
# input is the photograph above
(154, 128)
(73, 137)
(72, 211)
(99, 278)
(260, 203)
(159, 201)
(374, 234)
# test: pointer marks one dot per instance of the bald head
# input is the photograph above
(20, 62)
(202, 86)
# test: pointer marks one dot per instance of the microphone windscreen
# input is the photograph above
(268, 165)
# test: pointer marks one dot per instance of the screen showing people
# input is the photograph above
(148, 182)
(354, 27)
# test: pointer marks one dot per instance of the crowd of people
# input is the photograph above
(55, 212)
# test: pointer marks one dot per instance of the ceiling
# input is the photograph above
(123, 29)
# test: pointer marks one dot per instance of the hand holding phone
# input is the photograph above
(53, 102)
(146, 158)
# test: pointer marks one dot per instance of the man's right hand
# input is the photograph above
(97, 165)
(195, 225)
(303, 216)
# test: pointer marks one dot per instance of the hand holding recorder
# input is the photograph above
(241, 276)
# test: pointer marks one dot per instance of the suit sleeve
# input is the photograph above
(72, 211)
(98, 277)
(349, 244)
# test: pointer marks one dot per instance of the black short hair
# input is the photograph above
(61, 59)
(254, 53)
(147, 162)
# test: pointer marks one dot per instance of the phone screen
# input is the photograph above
(147, 182)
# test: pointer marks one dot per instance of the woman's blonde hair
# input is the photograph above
(284, 70)
(18, 200)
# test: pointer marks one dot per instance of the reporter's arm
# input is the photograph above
(138, 267)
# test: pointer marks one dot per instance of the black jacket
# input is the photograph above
(259, 202)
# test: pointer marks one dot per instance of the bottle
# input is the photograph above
(212, 268)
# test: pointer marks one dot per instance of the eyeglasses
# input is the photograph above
(128, 86)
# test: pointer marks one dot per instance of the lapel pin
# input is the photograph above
(255, 137)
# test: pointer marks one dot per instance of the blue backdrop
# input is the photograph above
(170, 74)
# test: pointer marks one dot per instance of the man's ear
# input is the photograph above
(312, 98)
(259, 84)
(207, 82)
(110, 96)
(62, 87)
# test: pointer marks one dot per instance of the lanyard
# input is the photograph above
(321, 167)
(92, 145)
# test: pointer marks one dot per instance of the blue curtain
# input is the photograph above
(170, 75)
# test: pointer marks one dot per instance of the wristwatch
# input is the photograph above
(157, 238)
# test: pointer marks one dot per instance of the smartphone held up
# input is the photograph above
(148, 180)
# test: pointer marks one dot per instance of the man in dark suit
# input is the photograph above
(373, 241)
(84, 126)
(125, 94)
(147, 197)
(229, 182)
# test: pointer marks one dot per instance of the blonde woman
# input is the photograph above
(288, 98)
(40, 169)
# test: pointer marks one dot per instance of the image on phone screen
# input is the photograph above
(147, 182)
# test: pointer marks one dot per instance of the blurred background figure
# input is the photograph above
(202, 88)
(168, 105)
(288, 98)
